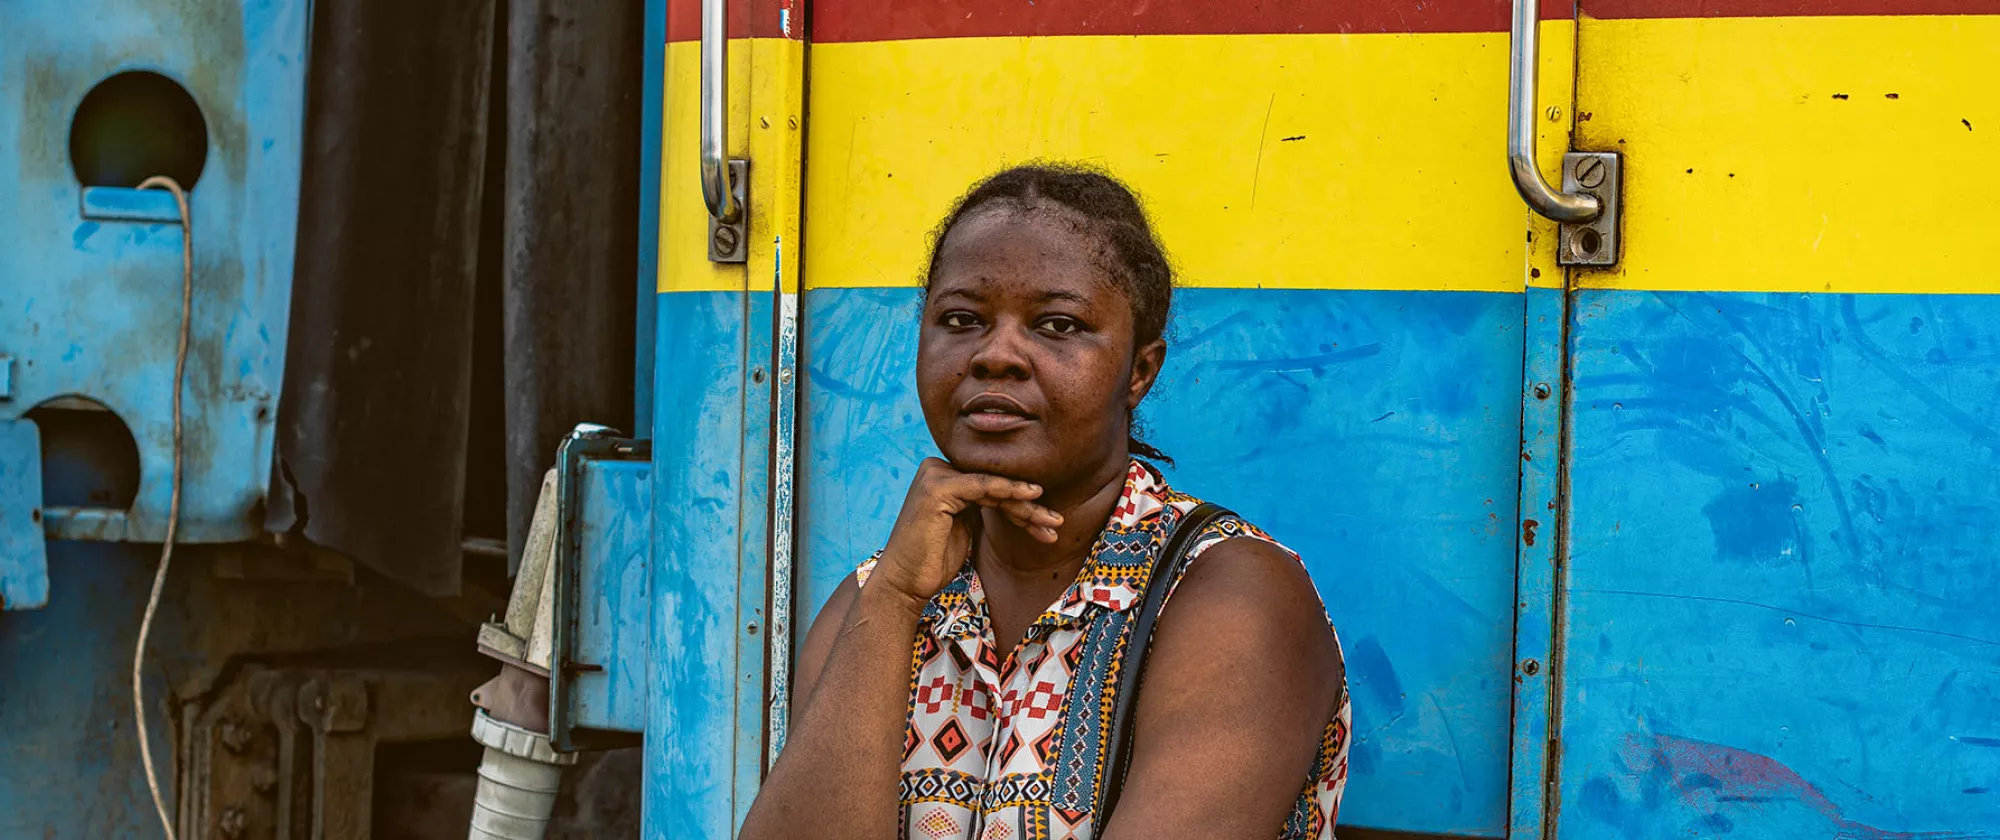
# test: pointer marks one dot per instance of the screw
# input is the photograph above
(724, 240)
(1541, 392)
(1555, 113)
(1590, 172)
(232, 823)
(1530, 667)
(234, 736)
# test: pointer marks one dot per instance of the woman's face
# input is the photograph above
(1025, 363)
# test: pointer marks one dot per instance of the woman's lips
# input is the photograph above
(994, 412)
(991, 422)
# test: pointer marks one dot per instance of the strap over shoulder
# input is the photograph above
(1166, 570)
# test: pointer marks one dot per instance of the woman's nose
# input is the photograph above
(1002, 355)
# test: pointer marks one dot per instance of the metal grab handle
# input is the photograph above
(717, 186)
(1525, 54)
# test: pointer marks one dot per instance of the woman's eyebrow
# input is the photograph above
(962, 292)
(1061, 294)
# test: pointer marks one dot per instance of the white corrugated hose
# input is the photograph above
(518, 779)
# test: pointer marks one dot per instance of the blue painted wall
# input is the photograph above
(1784, 563)
(1377, 433)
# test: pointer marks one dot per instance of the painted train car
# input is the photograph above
(1626, 371)
(1675, 518)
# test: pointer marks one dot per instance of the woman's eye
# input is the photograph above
(1062, 326)
(959, 320)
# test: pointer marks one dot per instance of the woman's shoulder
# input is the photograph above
(1234, 560)
(1225, 529)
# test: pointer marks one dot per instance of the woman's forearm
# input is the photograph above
(840, 773)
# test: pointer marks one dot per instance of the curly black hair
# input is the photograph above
(1131, 255)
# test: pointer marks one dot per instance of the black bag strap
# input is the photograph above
(1118, 748)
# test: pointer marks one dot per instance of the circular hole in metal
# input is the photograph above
(1586, 243)
(135, 125)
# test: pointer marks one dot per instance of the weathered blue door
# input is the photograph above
(1775, 613)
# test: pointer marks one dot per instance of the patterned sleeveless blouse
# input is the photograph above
(1005, 747)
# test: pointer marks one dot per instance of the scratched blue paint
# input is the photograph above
(691, 714)
(753, 531)
(91, 305)
(24, 565)
(1783, 562)
(614, 538)
(1377, 433)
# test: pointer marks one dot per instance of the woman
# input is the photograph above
(959, 684)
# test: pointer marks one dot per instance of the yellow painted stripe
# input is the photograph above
(1359, 161)
(766, 126)
(1744, 172)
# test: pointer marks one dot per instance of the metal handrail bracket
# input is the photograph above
(722, 180)
(1525, 53)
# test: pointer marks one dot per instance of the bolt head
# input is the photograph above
(724, 240)
(233, 822)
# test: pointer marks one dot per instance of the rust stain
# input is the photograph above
(1528, 527)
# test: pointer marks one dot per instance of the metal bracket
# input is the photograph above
(582, 659)
(24, 561)
(729, 242)
(1596, 242)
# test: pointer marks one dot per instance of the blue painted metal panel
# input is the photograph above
(753, 530)
(692, 722)
(91, 307)
(1538, 573)
(614, 537)
(1781, 619)
(1375, 432)
(119, 204)
(24, 564)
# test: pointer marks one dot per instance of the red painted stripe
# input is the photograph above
(747, 19)
(836, 21)
(1783, 8)
(892, 20)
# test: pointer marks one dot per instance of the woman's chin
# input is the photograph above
(1005, 459)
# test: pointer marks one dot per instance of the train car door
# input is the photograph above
(1777, 618)
(1346, 360)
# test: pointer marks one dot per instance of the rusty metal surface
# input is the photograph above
(292, 753)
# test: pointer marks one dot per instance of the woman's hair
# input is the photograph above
(1131, 254)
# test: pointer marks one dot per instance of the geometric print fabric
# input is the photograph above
(1010, 747)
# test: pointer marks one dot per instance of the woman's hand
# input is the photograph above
(934, 532)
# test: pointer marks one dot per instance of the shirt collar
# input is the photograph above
(1111, 580)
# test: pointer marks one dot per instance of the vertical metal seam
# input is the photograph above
(1560, 522)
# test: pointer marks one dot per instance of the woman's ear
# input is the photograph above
(1146, 365)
